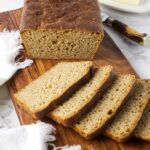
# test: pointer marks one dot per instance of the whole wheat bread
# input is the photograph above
(124, 123)
(53, 87)
(84, 99)
(95, 120)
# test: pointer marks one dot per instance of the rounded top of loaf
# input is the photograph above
(61, 15)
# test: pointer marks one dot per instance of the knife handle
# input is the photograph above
(126, 30)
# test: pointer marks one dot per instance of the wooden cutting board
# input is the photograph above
(108, 54)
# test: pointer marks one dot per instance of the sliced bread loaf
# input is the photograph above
(126, 120)
(84, 99)
(93, 122)
(53, 87)
(142, 130)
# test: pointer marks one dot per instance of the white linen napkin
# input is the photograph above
(6, 6)
(30, 137)
(10, 46)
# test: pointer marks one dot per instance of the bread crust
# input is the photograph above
(72, 119)
(41, 113)
(27, 52)
(61, 15)
(142, 138)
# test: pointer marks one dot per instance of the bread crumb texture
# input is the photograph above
(106, 107)
(83, 96)
(52, 85)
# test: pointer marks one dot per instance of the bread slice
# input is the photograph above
(142, 130)
(53, 87)
(94, 121)
(84, 99)
(126, 120)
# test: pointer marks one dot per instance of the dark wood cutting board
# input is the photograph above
(108, 54)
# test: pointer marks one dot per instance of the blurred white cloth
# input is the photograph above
(27, 137)
(31, 137)
(11, 46)
(7, 5)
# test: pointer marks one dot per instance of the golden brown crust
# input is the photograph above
(81, 15)
(145, 100)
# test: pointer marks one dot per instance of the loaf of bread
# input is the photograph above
(124, 123)
(142, 130)
(61, 29)
(95, 120)
(84, 99)
(53, 87)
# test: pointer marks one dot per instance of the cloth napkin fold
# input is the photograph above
(6, 6)
(10, 47)
(30, 137)
(27, 137)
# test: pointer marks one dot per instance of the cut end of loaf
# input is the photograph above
(65, 44)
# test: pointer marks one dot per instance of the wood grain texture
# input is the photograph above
(108, 54)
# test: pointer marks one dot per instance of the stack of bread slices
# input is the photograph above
(91, 101)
